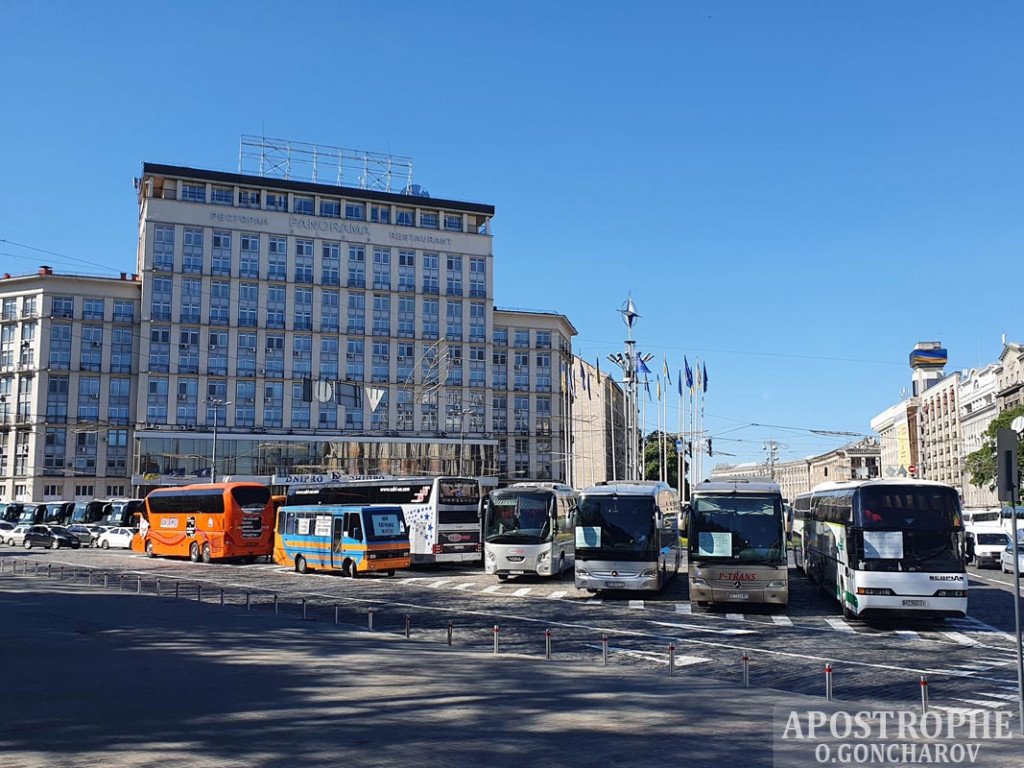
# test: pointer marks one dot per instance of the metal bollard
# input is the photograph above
(61, 573)
(87, 573)
(248, 601)
(35, 569)
(222, 597)
(547, 643)
(199, 593)
(48, 566)
(303, 609)
(105, 578)
(120, 582)
(746, 670)
(408, 625)
(275, 605)
(138, 586)
(450, 627)
(3, 565)
(497, 629)
(924, 694)
(336, 614)
(158, 586)
(176, 586)
(604, 650)
(828, 681)
(671, 660)
(369, 619)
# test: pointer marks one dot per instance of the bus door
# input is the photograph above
(338, 540)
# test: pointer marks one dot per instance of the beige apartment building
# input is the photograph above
(976, 400)
(598, 426)
(68, 352)
(940, 441)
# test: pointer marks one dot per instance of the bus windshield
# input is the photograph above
(615, 525)
(514, 517)
(909, 508)
(384, 524)
(740, 528)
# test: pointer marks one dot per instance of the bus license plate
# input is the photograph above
(739, 595)
(517, 573)
(615, 583)
(915, 602)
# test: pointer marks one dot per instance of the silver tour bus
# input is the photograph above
(737, 543)
(627, 536)
(528, 529)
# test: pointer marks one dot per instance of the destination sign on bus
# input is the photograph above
(714, 543)
(459, 492)
(386, 525)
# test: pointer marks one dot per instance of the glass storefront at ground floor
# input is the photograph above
(163, 460)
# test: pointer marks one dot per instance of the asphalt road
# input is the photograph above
(970, 663)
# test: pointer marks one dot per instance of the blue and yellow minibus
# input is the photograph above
(353, 539)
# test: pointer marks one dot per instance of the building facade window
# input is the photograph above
(159, 349)
(217, 353)
(522, 458)
(63, 307)
(220, 302)
(156, 401)
(453, 321)
(119, 400)
(431, 273)
(356, 266)
(329, 351)
(405, 217)
(406, 317)
(330, 264)
(277, 201)
(300, 409)
(521, 372)
(543, 415)
(248, 304)
(303, 316)
(188, 350)
(477, 321)
(453, 275)
(330, 207)
(405, 361)
(163, 248)
(274, 365)
(245, 363)
(354, 360)
(117, 457)
(522, 414)
(478, 278)
(163, 295)
(522, 339)
(85, 453)
(543, 373)
(94, 309)
(275, 306)
(380, 214)
(429, 219)
(193, 193)
(303, 205)
(192, 251)
(431, 318)
(121, 349)
(407, 271)
(222, 195)
(382, 269)
(499, 413)
(357, 313)
(248, 198)
(380, 417)
(499, 370)
(302, 356)
(124, 311)
(60, 346)
(277, 258)
(355, 211)
(92, 348)
(453, 222)
(245, 403)
(381, 315)
(57, 389)
(380, 370)
(477, 367)
(55, 450)
(404, 410)
(187, 405)
(249, 257)
(221, 263)
(273, 404)
(330, 312)
(304, 261)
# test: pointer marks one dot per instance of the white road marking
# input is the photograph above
(839, 625)
(409, 579)
(962, 710)
(974, 625)
(440, 583)
(636, 603)
(684, 608)
(556, 595)
(522, 591)
(467, 585)
(1003, 696)
(695, 628)
(907, 633)
(594, 601)
(960, 638)
(782, 621)
(491, 589)
(981, 702)
(734, 616)
(660, 658)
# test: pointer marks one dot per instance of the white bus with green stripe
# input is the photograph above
(887, 548)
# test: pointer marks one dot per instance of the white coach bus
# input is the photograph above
(528, 529)
(627, 536)
(888, 547)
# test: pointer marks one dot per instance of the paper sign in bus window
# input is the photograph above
(323, 525)
(714, 543)
(303, 526)
(588, 537)
(386, 525)
(883, 545)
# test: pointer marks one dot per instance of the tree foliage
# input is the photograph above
(651, 464)
(982, 463)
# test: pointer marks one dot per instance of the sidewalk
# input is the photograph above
(94, 678)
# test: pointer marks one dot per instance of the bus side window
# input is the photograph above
(353, 526)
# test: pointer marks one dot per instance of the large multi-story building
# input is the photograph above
(598, 426)
(68, 351)
(856, 461)
(977, 404)
(1010, 376)
(302, 326)
(939, 424)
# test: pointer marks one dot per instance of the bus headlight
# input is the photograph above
(649, 573)
(582, 571)
(951, 593)
(777, 584)
(699, 582)
(875, 591)
(543, 556)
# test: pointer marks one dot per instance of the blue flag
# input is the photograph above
(679, 382)
(705, 377)
(642, 366)
(689, 373)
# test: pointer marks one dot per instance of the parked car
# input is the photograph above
(52, 536)
(1006, 558)
(984, 546)
(120, 538)
(87, 534)
(16, 536)
(5, 528)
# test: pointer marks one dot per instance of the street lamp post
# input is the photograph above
(217, 404)
(462, 437)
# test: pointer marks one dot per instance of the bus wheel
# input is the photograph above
(847, 613)
(193, 552)
(28, 544)
(502, 577)
(390, 572)
(207, 555)
(55, 544)
(353, 570)
(149, 547)
(300, 565)
(561, 564)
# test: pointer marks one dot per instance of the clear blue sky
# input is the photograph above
(772, 181)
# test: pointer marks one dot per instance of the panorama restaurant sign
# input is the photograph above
(322, 478)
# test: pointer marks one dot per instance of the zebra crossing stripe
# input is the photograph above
(440, 583)
(782, 621)
(684, 608)
(522, 591)
(467, 585)
(556, 595)
(491, 589)
(734, 616)
(594, 601)
(839, 625)
(959, 637)
(636, 604)
(908, 634)
(981, 702)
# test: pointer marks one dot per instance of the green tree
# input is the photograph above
(982, 463)
(651, 467)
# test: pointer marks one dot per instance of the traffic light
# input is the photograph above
(710, 452)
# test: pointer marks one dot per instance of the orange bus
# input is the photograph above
(216, 521)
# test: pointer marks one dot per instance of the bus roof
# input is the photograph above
(205, 487)
(330, 508)
(627, 488)
(545, 486)
(849, 484)
(738, 485)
